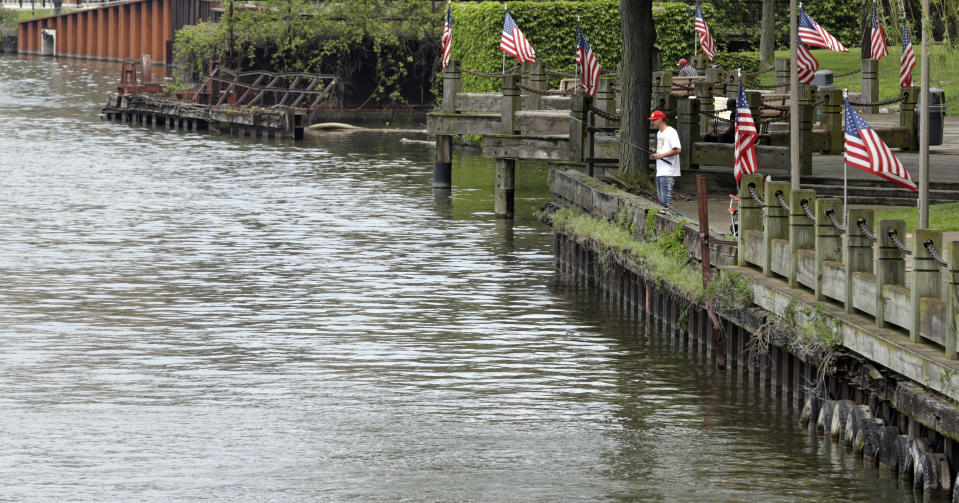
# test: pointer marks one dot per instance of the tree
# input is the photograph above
(767, 41)
(636, 21)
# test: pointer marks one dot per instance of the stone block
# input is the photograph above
(806, 274)
(834, 280)
(864, 292)
(780, 257)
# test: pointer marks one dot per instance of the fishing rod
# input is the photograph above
(631, 144)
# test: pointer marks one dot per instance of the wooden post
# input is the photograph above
(802, 230)
(750, 212)
(718, 78)
(907, 117)
(891, 263)
(688, 131)
(503, 198)
(580, 105)
(535, 79)
(782, 73)
(511, 103)
(704, 94)
(452, 83)
(807, 113)
(858, 250)
(952, 300)
(605, 101)
(755, 101)
(926, 276)
(828, 239)
(776, 224)
(443, 166)
(832, 120)
(870, 83)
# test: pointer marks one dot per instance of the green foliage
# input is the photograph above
(675, 31)
(8, 16)
(626, 220)
(731, 291)
(730, 61)
(661, 261)
(397, 38)
(814, 323)
(838, 17)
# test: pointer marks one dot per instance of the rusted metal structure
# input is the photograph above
(256, 104)
(115, 31)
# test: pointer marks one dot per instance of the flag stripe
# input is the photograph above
(705, 39)
(744, 155)
(865, 150)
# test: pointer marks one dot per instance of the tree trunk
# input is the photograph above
(637, 80)
(767, 41)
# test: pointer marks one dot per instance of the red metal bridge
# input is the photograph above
(114, 31)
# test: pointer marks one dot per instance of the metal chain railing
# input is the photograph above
(616, 89)
(805, 207)
(895, 239)
(780, 97)
(498, 75)
(756, 74)
(879, 103)
(852, 72)
(546, 92)
(835, 223)
(774, 107)
(757, 85)
(931, 247)
(755, 196)
(606, 115)
(714, 115)
(865, 230)
(559, 73)
(782, 201)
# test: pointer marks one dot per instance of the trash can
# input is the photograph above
(823, 79)
(937, 115)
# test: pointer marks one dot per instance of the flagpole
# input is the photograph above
(794, 96)
(505, 10)
(924, 123)
(575, 66)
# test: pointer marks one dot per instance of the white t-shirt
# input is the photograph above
(666, 141)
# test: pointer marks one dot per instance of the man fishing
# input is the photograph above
(667, 159)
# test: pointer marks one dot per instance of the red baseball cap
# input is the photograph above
(682, 62)
(657, 114)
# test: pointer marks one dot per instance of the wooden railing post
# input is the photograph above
(782, 73)
(750, 212)
(605, 100)
(926, 276)
(802, 230)
(891, 263)
(828, 239)
(832, 120)
(807, 114)
(858, 250)
(870, 84)
(579, 108)
(952, 300)
(511, 103)
(776, 225)
(535, 79)
(688, 131)
(907, 117)
(452, 84)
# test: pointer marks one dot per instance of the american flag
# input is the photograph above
(878, 49)
(806, 64)
(744, 157)
(448, 35)
(866, 151)
(587, 60)
(514, 43)
(908, 59)
(705, 39)
(815, 35)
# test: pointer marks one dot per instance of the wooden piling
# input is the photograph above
(503, 198)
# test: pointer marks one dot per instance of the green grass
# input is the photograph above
(943, 71)
(944, 217)
(660, 262)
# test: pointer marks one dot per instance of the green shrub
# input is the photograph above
(733, 60)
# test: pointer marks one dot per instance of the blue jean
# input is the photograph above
(664, 187)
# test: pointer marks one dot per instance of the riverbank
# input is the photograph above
(812, 351)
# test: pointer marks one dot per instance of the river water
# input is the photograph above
(195, 317)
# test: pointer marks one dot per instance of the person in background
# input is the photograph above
(729, 135)
(686, 69)
(667, 159)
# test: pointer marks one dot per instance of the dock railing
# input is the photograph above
(793, 235)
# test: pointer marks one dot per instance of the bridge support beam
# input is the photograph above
(505, 179)
(443, 166)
